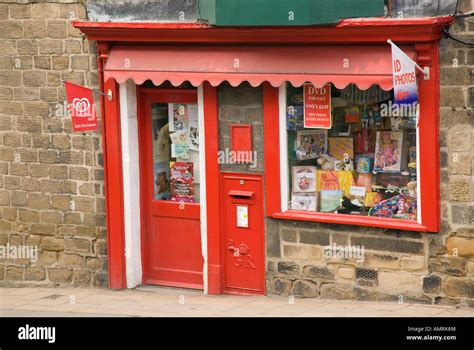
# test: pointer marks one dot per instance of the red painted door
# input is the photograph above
(243, 233)
(169, 171)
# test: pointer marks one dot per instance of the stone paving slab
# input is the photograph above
(168, 302)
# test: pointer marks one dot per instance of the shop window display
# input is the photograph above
(364, 164)
(175, 152)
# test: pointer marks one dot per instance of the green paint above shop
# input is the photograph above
(285, 12)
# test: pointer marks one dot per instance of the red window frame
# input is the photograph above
(428, 143)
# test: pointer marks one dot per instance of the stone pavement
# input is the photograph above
(167, 302)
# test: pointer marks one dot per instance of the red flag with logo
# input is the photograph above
(81, 107)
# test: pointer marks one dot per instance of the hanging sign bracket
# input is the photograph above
(425, 70)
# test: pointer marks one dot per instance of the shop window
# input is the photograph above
(362, 162)
(175, 134)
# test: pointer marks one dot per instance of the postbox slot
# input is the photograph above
(241, 194)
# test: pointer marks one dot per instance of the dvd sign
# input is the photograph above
(317, 107)
(81, 107)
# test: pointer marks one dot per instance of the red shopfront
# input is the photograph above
(200, 244)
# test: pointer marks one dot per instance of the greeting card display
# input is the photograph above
(346, 180)
(364, 164)
(365, 180)
(180, 151)
(193, 137)
(390, 151)
(304, 179)
(304, 201)
(330, 201)
(193, 128)
(357, 195)
(182, 182)
(339, 146)
(310, 144)
(180, 137)
(327, 180)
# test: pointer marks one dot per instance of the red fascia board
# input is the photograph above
(348, 30)
(350, 22)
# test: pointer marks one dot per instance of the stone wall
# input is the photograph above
(241, 105)
(51, 179)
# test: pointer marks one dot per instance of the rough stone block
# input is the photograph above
(296, 252)
(432, 284)
(459, 287)
(305, 289)
(281, 285)
(60, 275)
(391, 245)
(318, 272)
(53, 244)
(463, 247)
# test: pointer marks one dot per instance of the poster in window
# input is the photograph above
(180, 151)
(310, 144)
(180, 137)
(294, 117)
(178, 116)
(317, 107)
(181, 182)
(193, 135)
(390, 153)
(162, 181)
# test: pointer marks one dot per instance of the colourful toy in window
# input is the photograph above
(326, 162)
(398, 207)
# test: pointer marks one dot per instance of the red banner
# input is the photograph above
(317, 107)
(81, 107)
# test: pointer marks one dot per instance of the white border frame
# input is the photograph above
(131, 183)
(202, 186)
(284, 171)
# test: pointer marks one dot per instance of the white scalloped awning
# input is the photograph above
(341, 65)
